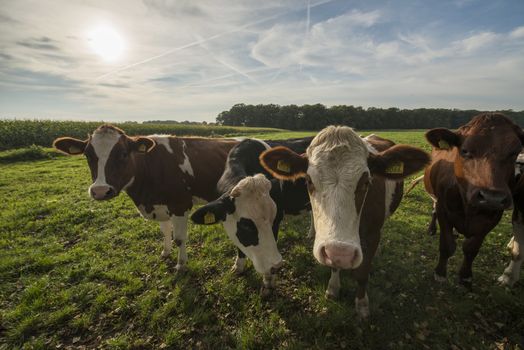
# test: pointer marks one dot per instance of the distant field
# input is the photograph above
(75, 272)
(23, 133)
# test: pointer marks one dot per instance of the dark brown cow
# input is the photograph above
(354, 185)
(161, 174)
(471, 179)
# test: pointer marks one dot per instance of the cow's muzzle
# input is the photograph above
(102, 192)
(340, 255)
(491, 199)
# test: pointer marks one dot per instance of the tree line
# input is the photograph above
(317, 116)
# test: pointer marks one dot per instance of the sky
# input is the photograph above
(126, 60)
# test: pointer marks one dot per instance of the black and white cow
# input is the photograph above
(252, 206)
(516, 244)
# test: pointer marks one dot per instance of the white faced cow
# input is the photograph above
(351, 193)
(161, 174)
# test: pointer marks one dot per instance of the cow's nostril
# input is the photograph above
(110, 192)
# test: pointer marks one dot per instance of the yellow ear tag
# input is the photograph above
(209, 218)
(443, 145)
(142, 148)
(283, 166)
(395, 168)
(74, 150)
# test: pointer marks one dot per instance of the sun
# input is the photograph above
(106, 43)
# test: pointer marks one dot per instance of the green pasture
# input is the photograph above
(75, 273)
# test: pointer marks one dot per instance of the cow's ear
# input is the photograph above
(284, 164)
(143, 144)
(442, 138)
(398, 162)
(69, 145)
(214, 212)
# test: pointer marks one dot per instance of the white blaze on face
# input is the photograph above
(103, 143)
(162, 140)
(254, 208)
(337, 161)
(186, 165)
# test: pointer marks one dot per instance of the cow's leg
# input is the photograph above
(515, 245)
(447, 246)
(361, 273)
(470, 247)
(432, 228)
(333, 287)
(240, 263)
(180, 236)
(167, 229)
(311, 233)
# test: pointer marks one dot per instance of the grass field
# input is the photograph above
(75, 273)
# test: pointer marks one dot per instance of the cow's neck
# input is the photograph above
(136, 189)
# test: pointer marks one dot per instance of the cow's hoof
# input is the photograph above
(362, 308)
(331, 294)
(181, 268)
(266, 292)
(363, 314)
(466, 282)
(238, 269)
(505, 280)
(439, 278)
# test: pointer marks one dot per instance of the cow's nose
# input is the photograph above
(490, 199)
(102, 192)
(341, 255)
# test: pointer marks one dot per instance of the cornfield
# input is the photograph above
(23, 133)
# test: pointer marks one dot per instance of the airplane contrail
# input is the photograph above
(195, 43)
(308, 20)
(225, 64)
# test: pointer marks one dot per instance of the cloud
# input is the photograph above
(476, 41)
(43, 43)
(517, 33)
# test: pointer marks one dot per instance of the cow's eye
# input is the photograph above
(309, 183)
(465, 153)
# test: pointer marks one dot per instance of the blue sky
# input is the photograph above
(189, 60)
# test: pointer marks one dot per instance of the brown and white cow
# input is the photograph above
(471, 179)
(161, 174)
(354, 184)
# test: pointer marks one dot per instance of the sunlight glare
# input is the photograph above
(106, 43)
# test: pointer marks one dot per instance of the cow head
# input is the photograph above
(248, 213)
(339, 167)
(111, 156)
(484, 152)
